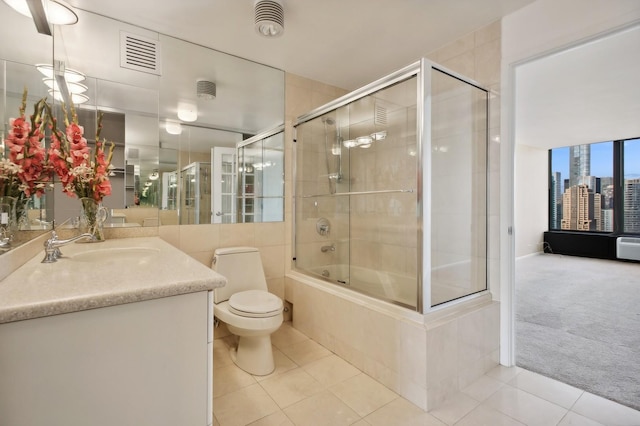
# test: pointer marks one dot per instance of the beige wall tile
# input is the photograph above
(489, 33)
(237, 234)
(195, 238)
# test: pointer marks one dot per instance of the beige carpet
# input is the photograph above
(578, 321)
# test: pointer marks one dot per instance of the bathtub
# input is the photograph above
(387, 286)
(422, 357)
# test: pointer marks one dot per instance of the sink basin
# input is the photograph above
(115, 254)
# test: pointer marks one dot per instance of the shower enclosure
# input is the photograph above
(391, 189)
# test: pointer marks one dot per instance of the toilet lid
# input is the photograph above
(255, 303)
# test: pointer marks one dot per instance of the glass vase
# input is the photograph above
(92, 218)
(8, 219)
(22, 213)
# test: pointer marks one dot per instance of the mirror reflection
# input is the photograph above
(188, 107)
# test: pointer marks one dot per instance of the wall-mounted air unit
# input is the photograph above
(628, 248)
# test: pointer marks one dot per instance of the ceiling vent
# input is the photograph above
(139, 53)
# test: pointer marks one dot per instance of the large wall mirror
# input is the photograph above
(177, 112)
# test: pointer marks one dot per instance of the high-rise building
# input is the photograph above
(607, 220)
(579, 163)
(581, 209)
(592, 182)
(556, 200)
(632, 205)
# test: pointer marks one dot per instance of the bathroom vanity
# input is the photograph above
(115, 333)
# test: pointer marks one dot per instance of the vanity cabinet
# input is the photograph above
(116, 333)
(143, 363)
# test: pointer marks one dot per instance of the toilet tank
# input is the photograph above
(242, 268)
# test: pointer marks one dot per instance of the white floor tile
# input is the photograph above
(221, 357)
(276, 419)
(455, 408)
(552, 390)
(605, 411)
(244, 406)
(305, 351)
(525, 408)
(331, 370)
(282, 363)
(323, 409)
(483, 415)
(483, 388)
(504, 374)
(291, 387)
(312, 386)
(286, 335)
(573, 419)
(229, 379)
(363, 394)
(401, 412)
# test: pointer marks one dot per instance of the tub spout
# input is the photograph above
(325, 249)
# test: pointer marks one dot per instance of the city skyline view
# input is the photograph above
(582, 193)
(601, 159)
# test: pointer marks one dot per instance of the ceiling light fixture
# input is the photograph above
(45, 12)
(70, 75)
(76, 98)
(269, 17)
(154, 175)
(71, 86)
(173, 127)
(187, 112)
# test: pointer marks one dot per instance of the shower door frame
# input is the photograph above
(422, 70)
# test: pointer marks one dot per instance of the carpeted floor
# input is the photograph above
(578, 321)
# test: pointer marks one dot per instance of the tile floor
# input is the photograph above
(312, 386)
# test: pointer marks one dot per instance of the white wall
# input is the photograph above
(547, 25)
(531, 198)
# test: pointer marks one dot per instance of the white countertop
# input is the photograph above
(112, 272)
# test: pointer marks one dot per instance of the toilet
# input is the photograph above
(248, 309)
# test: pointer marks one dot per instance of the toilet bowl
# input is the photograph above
(248, 309)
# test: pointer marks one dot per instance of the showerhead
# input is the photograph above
(328, 120)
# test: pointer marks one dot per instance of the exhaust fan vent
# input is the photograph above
(139, 53)
(380, 114)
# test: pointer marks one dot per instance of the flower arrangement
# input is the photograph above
(25, 171)
(82, 173)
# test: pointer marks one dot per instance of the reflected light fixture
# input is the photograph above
(76, 98)
(269, 17)
(45, 12)
(364, 141)
(379, 136)
(70, 75)
(154, 175)
(173, 127)
(71, 86)
(187, 112)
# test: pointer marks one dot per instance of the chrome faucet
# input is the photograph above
(325, 249)
(51, 247)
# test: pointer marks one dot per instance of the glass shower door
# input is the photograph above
(356, 180)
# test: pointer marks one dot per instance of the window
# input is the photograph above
(631, 186)
(582, 188)
(584, 192)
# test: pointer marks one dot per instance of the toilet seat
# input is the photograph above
(255, 304)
